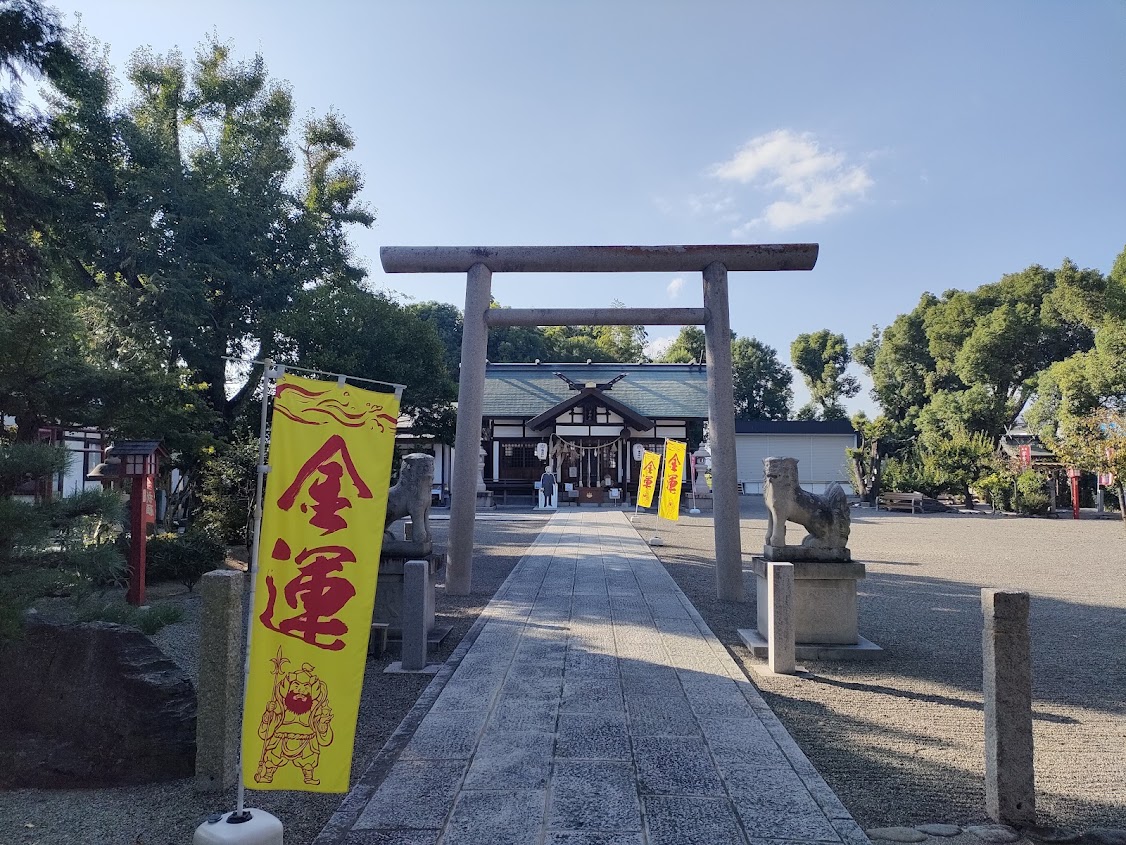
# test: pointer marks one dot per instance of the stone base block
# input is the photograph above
(389, 592)
(396, 668)
(485, 501)
(861, 650)
(824, 601)
(797, 554)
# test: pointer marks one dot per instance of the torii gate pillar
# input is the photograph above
(479, 263)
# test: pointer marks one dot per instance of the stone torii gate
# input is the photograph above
(479, 264)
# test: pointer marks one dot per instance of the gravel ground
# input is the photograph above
(170, 812)
(900, 739)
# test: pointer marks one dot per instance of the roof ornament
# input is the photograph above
(575, 385)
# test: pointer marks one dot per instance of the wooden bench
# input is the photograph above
(901, 502)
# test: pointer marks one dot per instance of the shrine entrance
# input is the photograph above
(713, 262)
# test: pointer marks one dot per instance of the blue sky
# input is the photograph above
(923, 145)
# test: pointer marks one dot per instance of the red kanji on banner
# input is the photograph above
(317, 593)
(329, 462)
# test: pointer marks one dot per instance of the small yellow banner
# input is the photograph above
(650, 461)
(673, 477)
(331, 448)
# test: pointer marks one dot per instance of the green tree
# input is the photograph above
(957, 460)
(206, 239)
(761, 381)
(345, 329)
(446, 320)
(822, 358)
(690, 345)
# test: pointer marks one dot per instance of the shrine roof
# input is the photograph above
(664, 391)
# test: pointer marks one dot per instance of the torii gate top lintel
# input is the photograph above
(713, 262)
(598, 259)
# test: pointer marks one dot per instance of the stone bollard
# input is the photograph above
(416, 574)
(780, 619)
(1010, 790)
(219, 697)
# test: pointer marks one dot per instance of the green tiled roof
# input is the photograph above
(653, 390)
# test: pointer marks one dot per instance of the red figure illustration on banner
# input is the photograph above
(296, 724)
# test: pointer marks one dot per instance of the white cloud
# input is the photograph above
(658, 346)
(816, 183)
(675, 287)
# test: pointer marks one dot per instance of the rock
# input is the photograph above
(1048, 834)
(993, 832)
(896, 834)
(939, 829)
(1105, 836)
(92, 705)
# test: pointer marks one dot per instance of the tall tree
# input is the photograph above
(761, 381)
(205, 239)
(690, 345)
(345, 329)
(822, 358)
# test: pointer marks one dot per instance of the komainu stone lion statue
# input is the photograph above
(410, 496)
(826, 517)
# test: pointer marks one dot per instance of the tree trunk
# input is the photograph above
(969, 499)
(1122, 502)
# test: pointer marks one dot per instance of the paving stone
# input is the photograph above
(849, 832)
(594, 796)
(568, 837)
(592, 695)
(750, 775)
(896, 834)
(415, 793)
(712, 696)
(676, 820)
(513, 714)
(740, 739)
(993, 832)
(495, 817)
(600, 736)
(939, 829)
(445, 735)
(1106, 836)
(676, 720)
(675, 766)
(782, 808)
(511, 760)
(391, 837)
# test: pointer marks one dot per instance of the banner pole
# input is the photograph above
(269, 371)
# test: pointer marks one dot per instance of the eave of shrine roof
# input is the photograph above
(656, 391)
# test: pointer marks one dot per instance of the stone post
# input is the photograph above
(467, 441)
(721, 436)
(416, 574)
(780, 615)
(219, 697)
(1010, 791)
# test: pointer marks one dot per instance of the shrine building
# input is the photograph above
(590, 422)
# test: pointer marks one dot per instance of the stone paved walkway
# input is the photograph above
(591, 705)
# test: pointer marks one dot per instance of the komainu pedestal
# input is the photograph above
(825, 599)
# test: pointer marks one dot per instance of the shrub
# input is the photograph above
(1032, 497)
(184, 558)
(997, 489)
(149, 620)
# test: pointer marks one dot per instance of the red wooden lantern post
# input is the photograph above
(139, 463)
(1073, 474)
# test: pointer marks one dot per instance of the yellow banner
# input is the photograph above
(669, 508)
(650, 461)
(331, 448)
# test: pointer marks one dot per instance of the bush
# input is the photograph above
(149, 620)
(229, 481)
(908, 475)
(184, 558)
(997, 489)
(1032, 495)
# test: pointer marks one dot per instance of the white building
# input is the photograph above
(818, 445)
